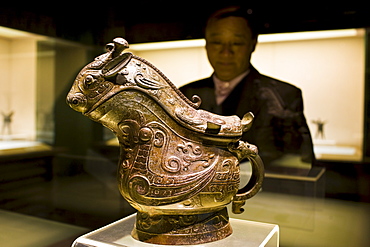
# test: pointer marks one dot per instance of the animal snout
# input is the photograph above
(77, 102)
(253, 148)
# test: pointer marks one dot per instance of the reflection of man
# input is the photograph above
(236, 87)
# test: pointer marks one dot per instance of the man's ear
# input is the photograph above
(254, 43)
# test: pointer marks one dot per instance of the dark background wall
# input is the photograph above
(143, 21)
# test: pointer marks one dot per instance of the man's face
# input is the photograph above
(229, 45)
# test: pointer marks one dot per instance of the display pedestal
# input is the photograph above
(302, 182)
(245, 233)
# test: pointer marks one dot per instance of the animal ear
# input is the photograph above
(116, 64)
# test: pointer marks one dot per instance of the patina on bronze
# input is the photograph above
(179, 165)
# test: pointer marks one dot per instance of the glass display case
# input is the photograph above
(57, 165)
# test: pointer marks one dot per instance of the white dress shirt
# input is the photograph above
(224, 88)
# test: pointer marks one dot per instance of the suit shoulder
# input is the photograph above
(206, 82)
(282, 85)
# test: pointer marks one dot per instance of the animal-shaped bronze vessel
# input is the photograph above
(179, 165)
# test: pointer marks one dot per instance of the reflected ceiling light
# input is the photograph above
(169, 45)
(279, 37)
(263, 38)
(6, 32)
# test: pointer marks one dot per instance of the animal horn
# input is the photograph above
(118, 59)
(120, 44)
(247, 121)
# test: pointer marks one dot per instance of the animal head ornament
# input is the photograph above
(179, 165)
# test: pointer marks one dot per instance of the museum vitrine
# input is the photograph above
(71, 162)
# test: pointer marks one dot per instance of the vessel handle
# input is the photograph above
(255, 182)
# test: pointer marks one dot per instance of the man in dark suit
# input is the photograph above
(236, 87)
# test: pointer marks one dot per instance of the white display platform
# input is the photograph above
(245, 233)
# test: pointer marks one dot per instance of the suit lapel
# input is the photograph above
(243, 98)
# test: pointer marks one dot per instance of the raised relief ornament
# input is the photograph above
(179, 165)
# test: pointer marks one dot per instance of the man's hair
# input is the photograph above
(237, 11)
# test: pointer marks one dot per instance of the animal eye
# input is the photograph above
(89, 80)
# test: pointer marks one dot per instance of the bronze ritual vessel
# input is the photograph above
(179, 165)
